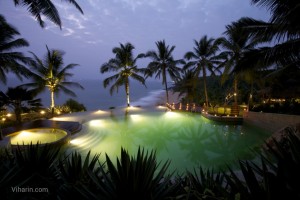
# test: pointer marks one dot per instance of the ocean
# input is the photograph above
(95, 96)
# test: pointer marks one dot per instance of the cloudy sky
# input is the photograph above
(88, 39)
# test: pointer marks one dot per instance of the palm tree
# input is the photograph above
(10, 60)
(282, 29)
(234, 47)
(19, 99)
(40, 8)
(125, 65)
(50, 73)
(186, 85)
(204, 58)
(163, 64)
(281, 33)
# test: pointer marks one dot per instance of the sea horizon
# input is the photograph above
(94, 96)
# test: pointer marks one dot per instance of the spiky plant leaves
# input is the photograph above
(252, 182)
(236, 185)
(36, 157)
(105, 187)
(205, 185)
(288, 162)
(139, 177)
(277, 177)
(74, 175)
(32, 166)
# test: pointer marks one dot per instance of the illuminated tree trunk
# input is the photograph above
(167, 94)
(205, 89)
(235, 108)
(127, 93)
(166, 84)
(52, 103)
(250, 96)
(235, 90)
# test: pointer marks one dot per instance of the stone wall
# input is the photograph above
(270, 122)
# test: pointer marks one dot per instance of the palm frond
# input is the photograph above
(108, 80)
(45, 8)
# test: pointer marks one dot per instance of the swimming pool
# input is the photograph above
(38, 135)
(186, 139)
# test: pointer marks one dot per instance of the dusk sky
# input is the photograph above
(88, 39)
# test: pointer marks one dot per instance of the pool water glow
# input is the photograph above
(38, 135)
(188, 140)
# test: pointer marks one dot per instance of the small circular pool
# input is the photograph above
(38, 135)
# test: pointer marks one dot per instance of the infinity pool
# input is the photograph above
(186, 139)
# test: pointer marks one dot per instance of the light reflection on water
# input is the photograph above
(187, 139)
(38, 135)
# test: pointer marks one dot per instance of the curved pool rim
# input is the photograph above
(64, 140)
(78, 139)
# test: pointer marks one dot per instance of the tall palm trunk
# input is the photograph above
(235, 89)
(250, 96)
(17, 111)
(167, 93)
(127, 93)
(205, 88)
(166, 84)
(52, 90)
(235, 108)
(52, 102)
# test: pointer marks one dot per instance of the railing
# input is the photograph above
(218, 111)
(192, 107)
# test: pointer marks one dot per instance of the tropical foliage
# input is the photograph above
(11, 60)
(51, 73)
(282, 30)
(44, 8)
(163, 64)
(235, 45)
(186, 85)
(20, 100)
(74, 106)
(204, 59)
(125, 65)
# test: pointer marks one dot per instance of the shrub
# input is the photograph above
(74, 106)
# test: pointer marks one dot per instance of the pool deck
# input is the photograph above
(237, 120)
(73, 122)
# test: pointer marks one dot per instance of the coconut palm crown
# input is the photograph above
(281, 33)
(11, 60)
(124, 64)
(51, 73)
(234, 47)
(19, 99)
(163, 64)
(204, 59)
(45, 8)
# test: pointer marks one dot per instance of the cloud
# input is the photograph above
(186, 4)
(94, 41)
(76, 21)
(67, 31)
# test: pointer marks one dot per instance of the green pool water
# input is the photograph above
(188, 140)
